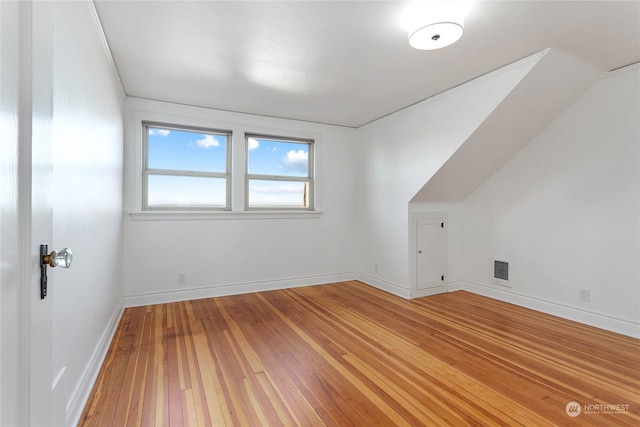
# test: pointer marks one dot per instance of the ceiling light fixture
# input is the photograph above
(435, 24)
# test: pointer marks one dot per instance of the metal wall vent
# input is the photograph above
(501, 272)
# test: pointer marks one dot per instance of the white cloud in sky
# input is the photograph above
(186, 198)
(296, 160)
(208, 141)
(276, 194)
(159, 132)
(276, 189)
(253, 144)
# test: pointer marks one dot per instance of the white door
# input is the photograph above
(431, 256)
(41, 337)
(26, 108)
(10, 268)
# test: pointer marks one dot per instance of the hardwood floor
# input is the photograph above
(348, 354)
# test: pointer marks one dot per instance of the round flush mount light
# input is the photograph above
(435, 24)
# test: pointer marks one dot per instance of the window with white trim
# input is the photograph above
(279, 172)
(185, 168)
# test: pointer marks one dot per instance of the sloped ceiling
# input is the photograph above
(340, 62)
(555, 82)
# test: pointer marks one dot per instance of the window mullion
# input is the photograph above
(185, 173)
(279, 178)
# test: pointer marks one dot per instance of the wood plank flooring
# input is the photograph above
(346, 354)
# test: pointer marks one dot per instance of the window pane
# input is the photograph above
(185, 150)
(268, 157)
(186, 192)
(275, 194)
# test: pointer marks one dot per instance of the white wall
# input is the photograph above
(232, 252)
(398, 154)
(566, 212)
(87, 198)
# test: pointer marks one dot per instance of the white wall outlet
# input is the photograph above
(375, 268)
(182, 278)
(585, 295)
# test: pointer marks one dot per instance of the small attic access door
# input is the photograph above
(431, 256)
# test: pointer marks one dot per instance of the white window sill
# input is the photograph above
(221, 215)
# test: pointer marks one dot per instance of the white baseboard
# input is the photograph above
(80, 395)
(233, 289)
(385, 285)
(455, 286)
(610, 323)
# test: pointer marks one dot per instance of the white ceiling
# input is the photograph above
(340, 62)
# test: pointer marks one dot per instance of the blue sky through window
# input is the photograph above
(268, 157)
(198, 152)
(284, 159)
(201, 152)
(186, 192)
(188, 151)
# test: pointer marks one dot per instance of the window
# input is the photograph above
(185, 168)
(279, 172)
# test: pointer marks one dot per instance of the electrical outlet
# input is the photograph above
(182, 278)
(585, 295)
(375, 268)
